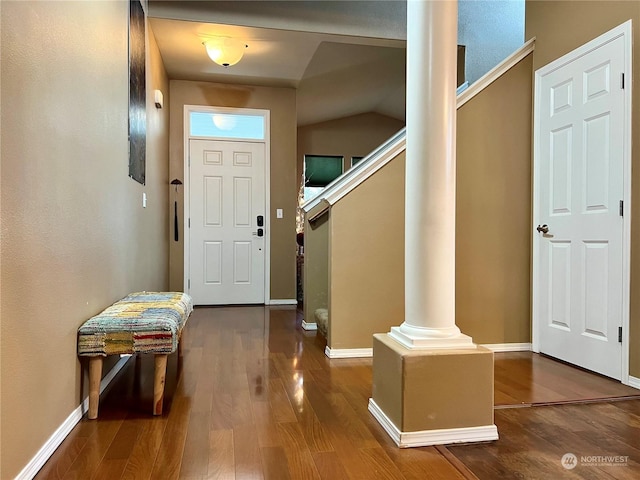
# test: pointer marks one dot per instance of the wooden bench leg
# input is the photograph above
(158, 383)
(180, 344)
(180, 353)
(95, 376)
(137, 374)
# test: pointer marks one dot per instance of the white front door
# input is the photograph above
(579, 186)
(227, 206)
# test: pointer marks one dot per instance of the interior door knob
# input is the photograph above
(543, 229)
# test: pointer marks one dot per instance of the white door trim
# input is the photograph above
(266, 114)
(625, 31)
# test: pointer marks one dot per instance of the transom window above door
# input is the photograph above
(226, 125)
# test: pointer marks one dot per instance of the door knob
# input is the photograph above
(544, 228)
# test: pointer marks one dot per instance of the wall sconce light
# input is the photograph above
(157, 97)
(225, 51)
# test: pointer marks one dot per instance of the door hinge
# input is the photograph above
(622, 81)
(189, 222)
(620, 334)
(622, 208)
(189, 284)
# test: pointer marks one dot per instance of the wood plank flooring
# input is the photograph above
(604, 437)
(257, 398)
(525, 378)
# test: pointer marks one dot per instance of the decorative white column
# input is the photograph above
(431, 384)
(430, 183)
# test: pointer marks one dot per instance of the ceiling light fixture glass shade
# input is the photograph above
(225, 51)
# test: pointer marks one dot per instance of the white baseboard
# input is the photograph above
(634, 382)
(348, 352)
(424, 438)
(309, 326)
(54, 441)
(283, 301)
(508, 347)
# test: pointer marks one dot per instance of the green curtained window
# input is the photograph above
(321, 170)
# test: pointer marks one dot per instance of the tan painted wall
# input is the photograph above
(316, 266)
(348, 137)
(75, 237)
(282, 104)
(492, 230)
(493, 207)
(367, 259)
(561, 26)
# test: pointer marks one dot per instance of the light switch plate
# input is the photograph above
(278, 213)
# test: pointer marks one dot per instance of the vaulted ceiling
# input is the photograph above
(335, 74)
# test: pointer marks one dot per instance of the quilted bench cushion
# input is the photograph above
(143, 322)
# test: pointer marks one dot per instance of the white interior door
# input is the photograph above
(579, 186)
(226, 242)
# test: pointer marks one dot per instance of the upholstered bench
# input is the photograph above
(143, 322)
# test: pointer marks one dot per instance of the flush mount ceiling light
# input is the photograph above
(225, 51)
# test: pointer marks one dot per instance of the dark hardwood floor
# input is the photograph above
(604, 437)
(524, 378)
(257, 398)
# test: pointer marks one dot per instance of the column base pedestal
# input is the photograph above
(409, 339)
(432, 396)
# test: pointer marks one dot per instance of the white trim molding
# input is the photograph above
(508, 347)
(627, 29)
(54, 441)
(309, 326)
(386, 152)
(462, 88)
(424, 438)
(496, 72)
(634, 382)
(283, 301)
(356, 175)
(186, 181)
(348, 352)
